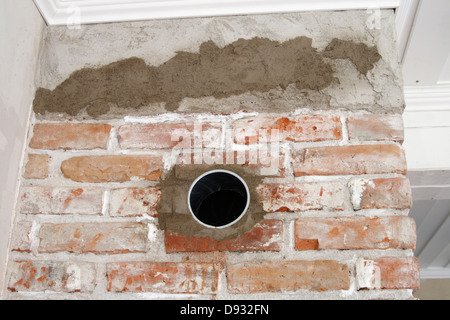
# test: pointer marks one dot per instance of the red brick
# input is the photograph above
(80, 136)
(355, 233)
(37, 166)
(376, 127)
(115, 168)
(346, 160)
(106, 237)
(265, 236)
(163, 277)
(298, 129)
(48, 200)
(388, 193)
(388, 273)
(303, 196)
(39, 276)
(169, 135)
(133, 202)
(287, 276)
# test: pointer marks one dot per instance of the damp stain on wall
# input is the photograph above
(255, 65)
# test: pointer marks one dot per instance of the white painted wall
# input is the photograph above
(21, 28)
(429, 46)
(427, 148)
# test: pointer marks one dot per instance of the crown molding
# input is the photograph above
(69, 12)
(404, 20)
(435, 273)
(427, 98)
(427, 121)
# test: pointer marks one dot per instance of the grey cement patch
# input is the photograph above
(174, 213)
(156, 42)
(256, 65)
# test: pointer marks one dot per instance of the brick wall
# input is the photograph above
(336, 205)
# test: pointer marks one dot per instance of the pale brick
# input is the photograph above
(48, 200)
(343, 233)
(170, 135)
(77, 201)
(131, 202)
(287, 276)
(163, 277)
(376, 127)
(297, 129)
(388, 273)
(347, 160)
(387, 193)
(277, 197)
(36, 276)
(106, 237)
(21, 237)
(261, 162)
(36, 200)
(37, 166)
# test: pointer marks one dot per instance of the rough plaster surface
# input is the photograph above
(354, 83)
(257, 65)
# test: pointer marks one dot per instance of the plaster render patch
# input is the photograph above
(357, 188)
(66, 51)
(256, 65)
(368, 274)
(362, 56)
(73, 282)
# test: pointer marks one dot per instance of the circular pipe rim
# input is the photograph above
(211, 172)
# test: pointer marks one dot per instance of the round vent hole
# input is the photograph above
(218, 198)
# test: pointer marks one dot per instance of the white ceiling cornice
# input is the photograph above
(427, 98)
(69, 12)
(435, 273)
